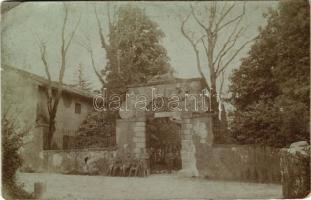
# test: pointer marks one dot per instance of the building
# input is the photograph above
(24, 99)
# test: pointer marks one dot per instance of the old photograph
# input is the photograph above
(144, 100)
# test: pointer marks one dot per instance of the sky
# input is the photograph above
(30, 22)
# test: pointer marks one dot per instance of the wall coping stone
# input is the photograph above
(39, 125)
(201, 115)
(134, 119)
(80, 150)
(242, 146)
(165, 82)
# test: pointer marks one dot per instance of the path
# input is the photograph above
(153, 187)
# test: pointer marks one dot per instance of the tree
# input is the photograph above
(133, 50)
(82, 82)
(54, 95)
(270, 90)
(218, 23)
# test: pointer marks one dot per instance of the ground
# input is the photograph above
(153, 187)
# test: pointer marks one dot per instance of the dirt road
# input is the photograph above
(152, 187)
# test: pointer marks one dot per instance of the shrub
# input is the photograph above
(12, 140)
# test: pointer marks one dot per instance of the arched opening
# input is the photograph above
(163, 142)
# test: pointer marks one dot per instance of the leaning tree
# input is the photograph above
(218, 41)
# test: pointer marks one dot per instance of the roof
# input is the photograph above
(44, 82)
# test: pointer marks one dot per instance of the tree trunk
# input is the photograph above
(52, 129)
(213, 93)
(52, 125)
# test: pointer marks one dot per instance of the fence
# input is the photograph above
(239, 162)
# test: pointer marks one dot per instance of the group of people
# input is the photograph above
(156, 159)
(128, 167)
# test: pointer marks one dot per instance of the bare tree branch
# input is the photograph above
(200, 39)
(64, 27)
(234, 55)
(215, 24)
(232, 20)
(222, 82)
(95, 70)
(72, 34)
(212, 10)
(53, 100)
(43, 58)
(224, 51)
(197, 20)
(100, 30)
(88, 48)
(207, 54)
(223, 8)
(63, 52)
(194, 48)
(223, 16)
(47, 72)
(109, 18)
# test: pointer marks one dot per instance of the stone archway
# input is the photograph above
(131, 129)
(131, 138)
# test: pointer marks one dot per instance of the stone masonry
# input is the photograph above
(200, 126)
(131, 138)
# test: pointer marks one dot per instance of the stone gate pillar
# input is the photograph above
(199, 127)
(187, 150)
(32, 153)
(131, 136)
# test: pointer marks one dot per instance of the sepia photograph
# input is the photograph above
(155, 100)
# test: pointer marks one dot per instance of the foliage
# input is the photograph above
(135, 54)
(97, 131)
(162, 131)
(12, 141)
(82, 82)
(270, 91)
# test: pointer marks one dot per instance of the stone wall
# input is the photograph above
(203, 158)
(238, 162)
(295, 167)
(79, 161)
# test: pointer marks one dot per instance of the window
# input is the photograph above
(77, 108)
